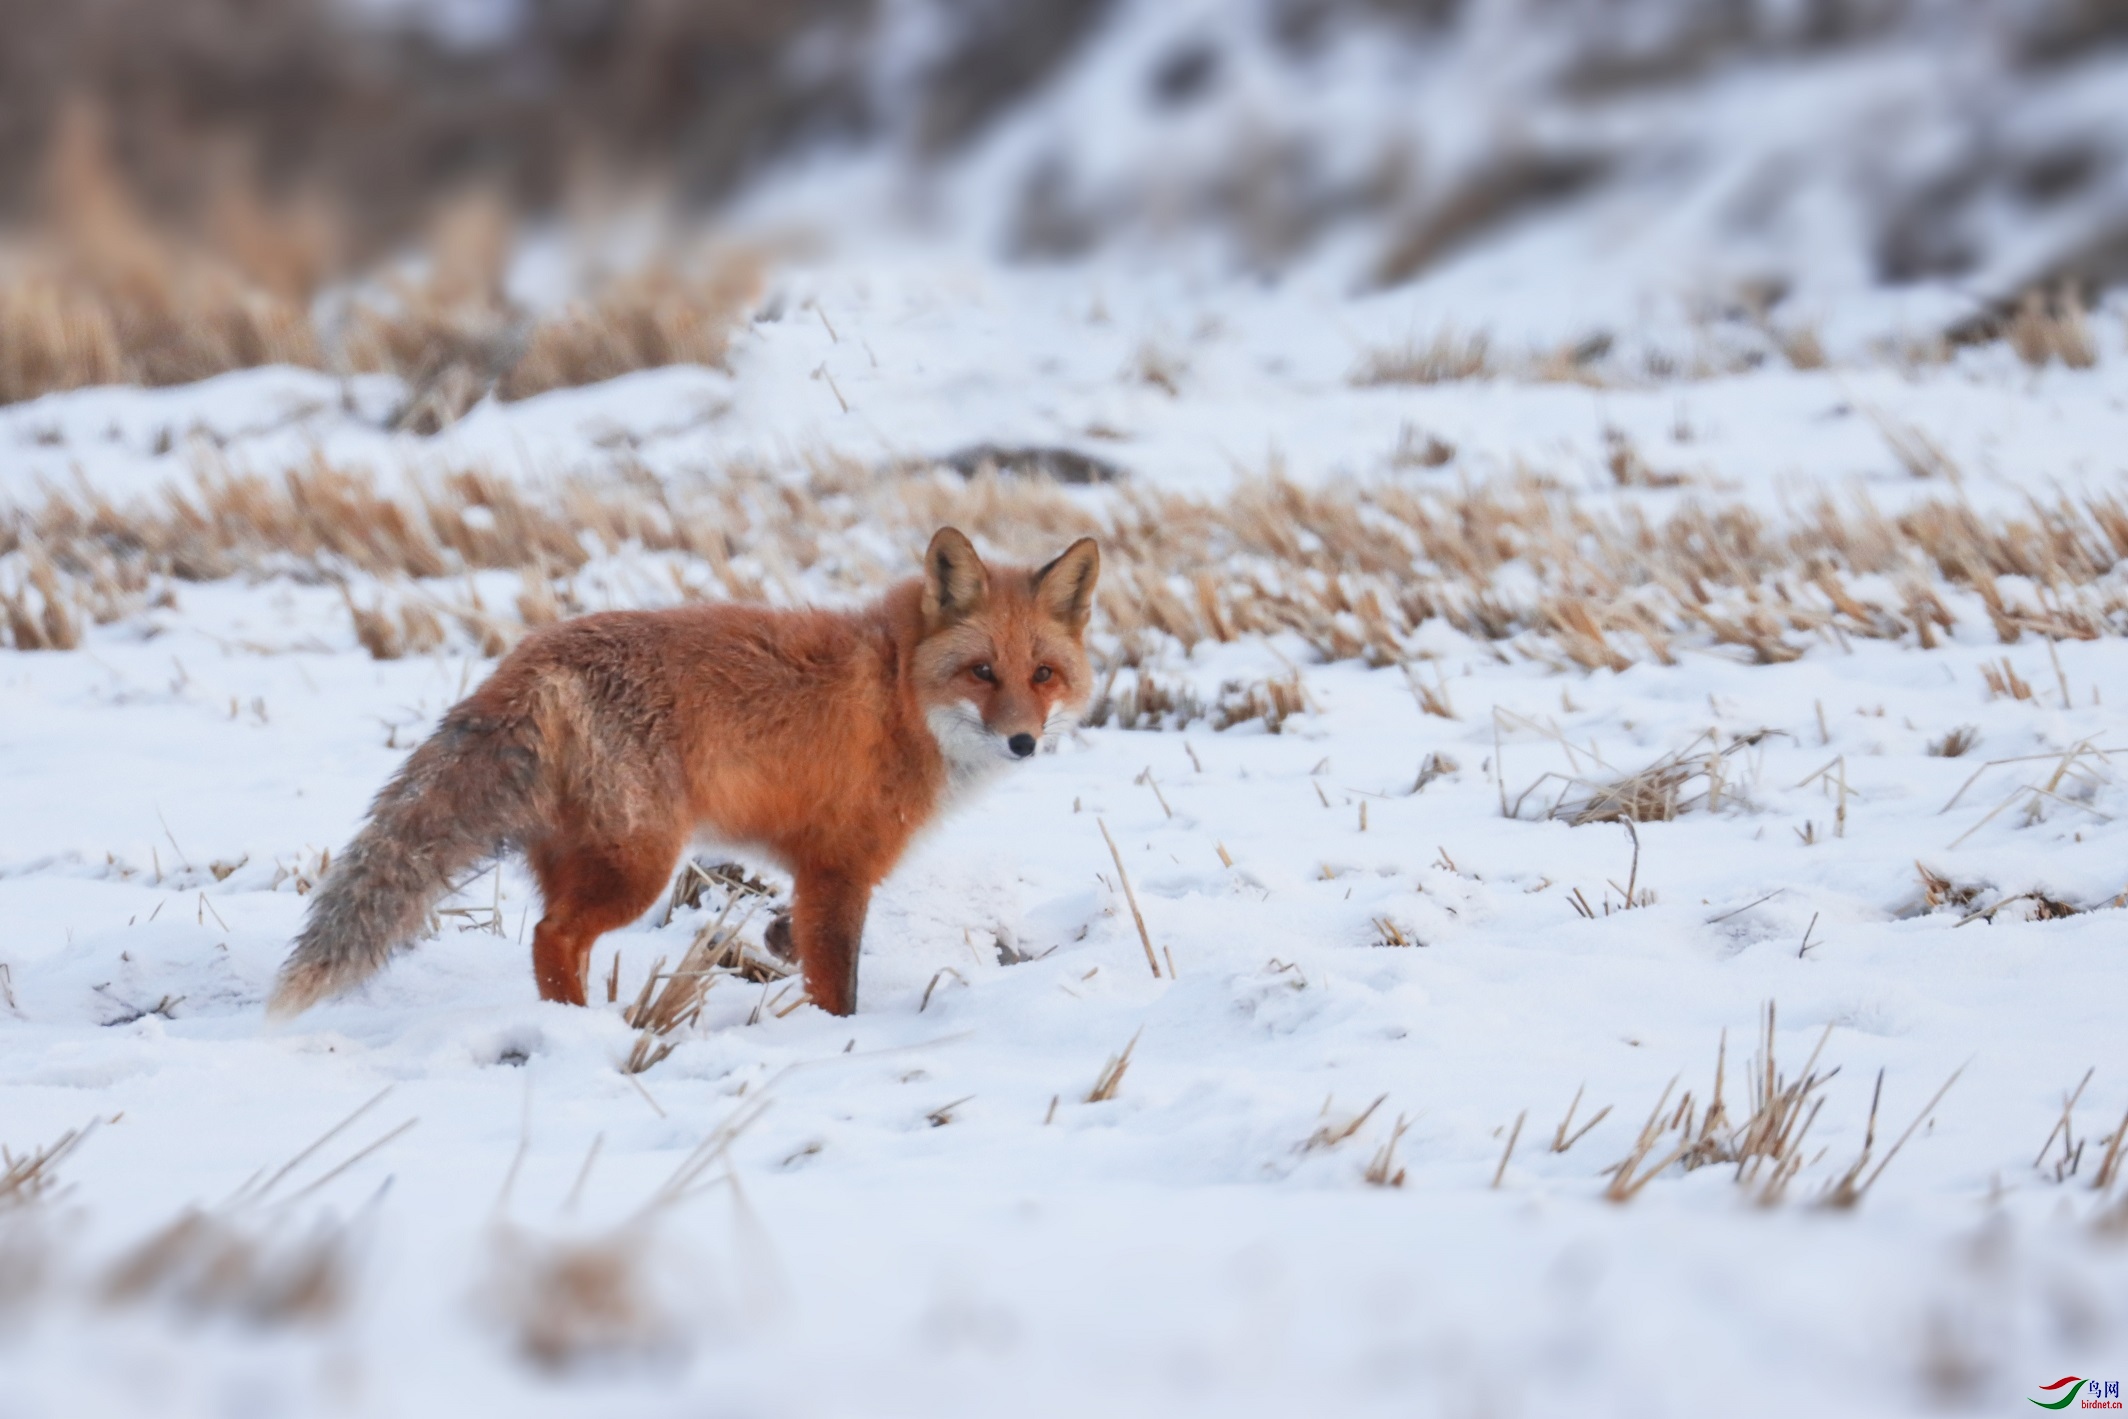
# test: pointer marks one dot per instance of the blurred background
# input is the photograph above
(188, 186)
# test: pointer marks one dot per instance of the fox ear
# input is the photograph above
(955, 582)
(1065, 588)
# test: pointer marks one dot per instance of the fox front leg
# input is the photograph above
(827, 926)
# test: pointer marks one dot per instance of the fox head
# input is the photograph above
(1001, 666)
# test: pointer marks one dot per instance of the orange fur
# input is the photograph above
(601, 746)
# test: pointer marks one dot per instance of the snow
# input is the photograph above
(1178, 1249)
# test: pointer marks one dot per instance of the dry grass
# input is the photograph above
(413, 630)
(1768, 1140)
(1333, 1131)
(244, 1259)
(29, 1184)
(1383, 1170)
(2109, 1164)
(669, 1001)
(1146, 701)
(1657, 793)
(1110, 1080)
(1350, 569)
(29, 1178)
(1137, 917)
(570, 1300)
(1629, 469)
(2045, 327)
(1271, 701)
(1801, 347)
(213, 1263)
(2068, 1161)
(1912, 447)
(575, 1300)
(1562, 1139)
(1848, 1190)
(1416, 450)
(98, 292)
(2072, 1147)
(391, 109)
(697, 878)
(102, 288)
(1765, 1145)
(1160, 367)
(39, 615)
(1507, 1154)
(1447, 357)
(98, 295)
(2052, 326)
(1432, 699)
(2005, 683)
(456, 337)
(1938, 890)
(1387, 933)
(2079, 773)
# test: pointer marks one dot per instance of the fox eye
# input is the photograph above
(984, 673)
(1043, 673)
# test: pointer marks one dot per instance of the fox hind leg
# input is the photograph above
(590, 889)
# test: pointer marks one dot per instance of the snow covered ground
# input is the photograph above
(915, 1211)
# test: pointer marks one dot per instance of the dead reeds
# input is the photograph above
(1765, 1145)
(29, 1243)
(100, 295)
(211, 1262)
(1110, 1080)
(29, 1178)
(2062, 1165)
(245, 1258)
(99, 292)
(455, 335)
(1561, 1138)
(568, 1299)
(1940, 890)
(1333, 1131)
(1848, 1190)
(1383, 1170)
(1137, 917)
(103, 288)
(2078, 773)
(1350, 569)
(1448, 355)
(1657, 793)
(671, 1000)
(2051, 325)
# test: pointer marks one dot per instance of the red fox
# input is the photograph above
(601, 746)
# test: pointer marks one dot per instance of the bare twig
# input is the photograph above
(1509, 1152)
(1145, 937)
(1111, 1076)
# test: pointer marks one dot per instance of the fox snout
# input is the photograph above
(1017, 737)
(1021, 723)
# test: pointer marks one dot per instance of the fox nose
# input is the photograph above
(1021, 745)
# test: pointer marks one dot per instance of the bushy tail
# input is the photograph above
(463, 796)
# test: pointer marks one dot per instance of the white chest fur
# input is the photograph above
(972, 753)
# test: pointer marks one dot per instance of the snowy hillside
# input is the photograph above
(1556, 173)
